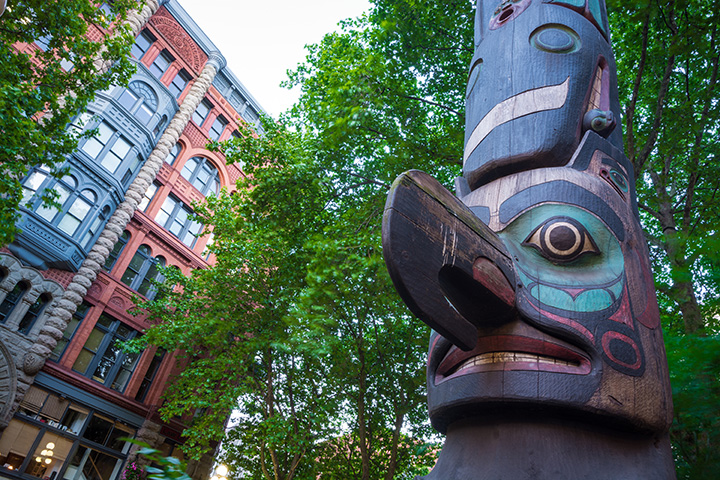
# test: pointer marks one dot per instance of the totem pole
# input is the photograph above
(547, 358)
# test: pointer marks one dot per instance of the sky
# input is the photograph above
(262, 39)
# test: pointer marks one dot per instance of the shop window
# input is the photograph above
(70, 330)
(12, 299)
(201, 112)
(101, 357)
(161, 63)
(177, 218)
(33, 313)
(150, 375)
(78, 441)
(172, 156)
(177, 86)
(142, 44)
(140, 100)
(148, 196)
(202, 174)
(142, 271)
(217, 128)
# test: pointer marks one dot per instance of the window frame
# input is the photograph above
(68, 334)
(146, 35)
(203, 165)
(155, 67)
(174, 88)
(13, 302)
(199, 118)
(171, 216)
(109, 339)
(120, 245)
(217, 128)
(145, 273)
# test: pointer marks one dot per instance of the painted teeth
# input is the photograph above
(508, 357)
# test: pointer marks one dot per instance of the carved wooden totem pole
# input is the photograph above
(547, 358)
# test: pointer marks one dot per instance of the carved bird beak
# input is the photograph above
(452, 271)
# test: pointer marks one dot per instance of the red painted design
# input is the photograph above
(624, 314)
(625, 339)
(650, 317)
(566, 321)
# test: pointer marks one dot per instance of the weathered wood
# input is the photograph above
(548, 361)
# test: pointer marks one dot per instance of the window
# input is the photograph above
(142, 43)
(140, 100)
(201, 112)
(63, 189)
(142, 271)
(148, 196)
(202, 174)
(95, 227)
(177, 86)
(11, 300)
(172, 156)
(35, 311)
(176, 217)
(97, 147)
(217, 128)
(101, 357)
(117, 249)
(78, 211)
(161, 64)
(130, 170)
(33, 182)
(66, 436)
(150, 375)
(70, 330)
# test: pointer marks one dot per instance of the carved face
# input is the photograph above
(583, 333)
(539, 79)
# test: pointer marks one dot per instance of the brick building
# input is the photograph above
(67, 393)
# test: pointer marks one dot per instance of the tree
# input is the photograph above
(229, 321)
(43, 89)
(668, 59)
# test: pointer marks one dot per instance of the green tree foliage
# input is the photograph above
(326, 361)
(668, 57)
(41, 92)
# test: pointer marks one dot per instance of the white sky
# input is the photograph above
(262, 39)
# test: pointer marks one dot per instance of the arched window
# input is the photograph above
(35, 311)
(140, 100)
(142, 271)
(202, 174)
(117, 249)
(172, 156)
(12, 299)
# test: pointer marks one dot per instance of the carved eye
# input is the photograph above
(562, 239)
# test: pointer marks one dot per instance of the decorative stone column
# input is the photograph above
(55, 325)
(77, 289)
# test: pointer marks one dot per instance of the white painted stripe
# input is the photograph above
(525, 103)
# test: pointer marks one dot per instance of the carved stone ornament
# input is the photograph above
(547, 359)
(32, 363)
(8, 382)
